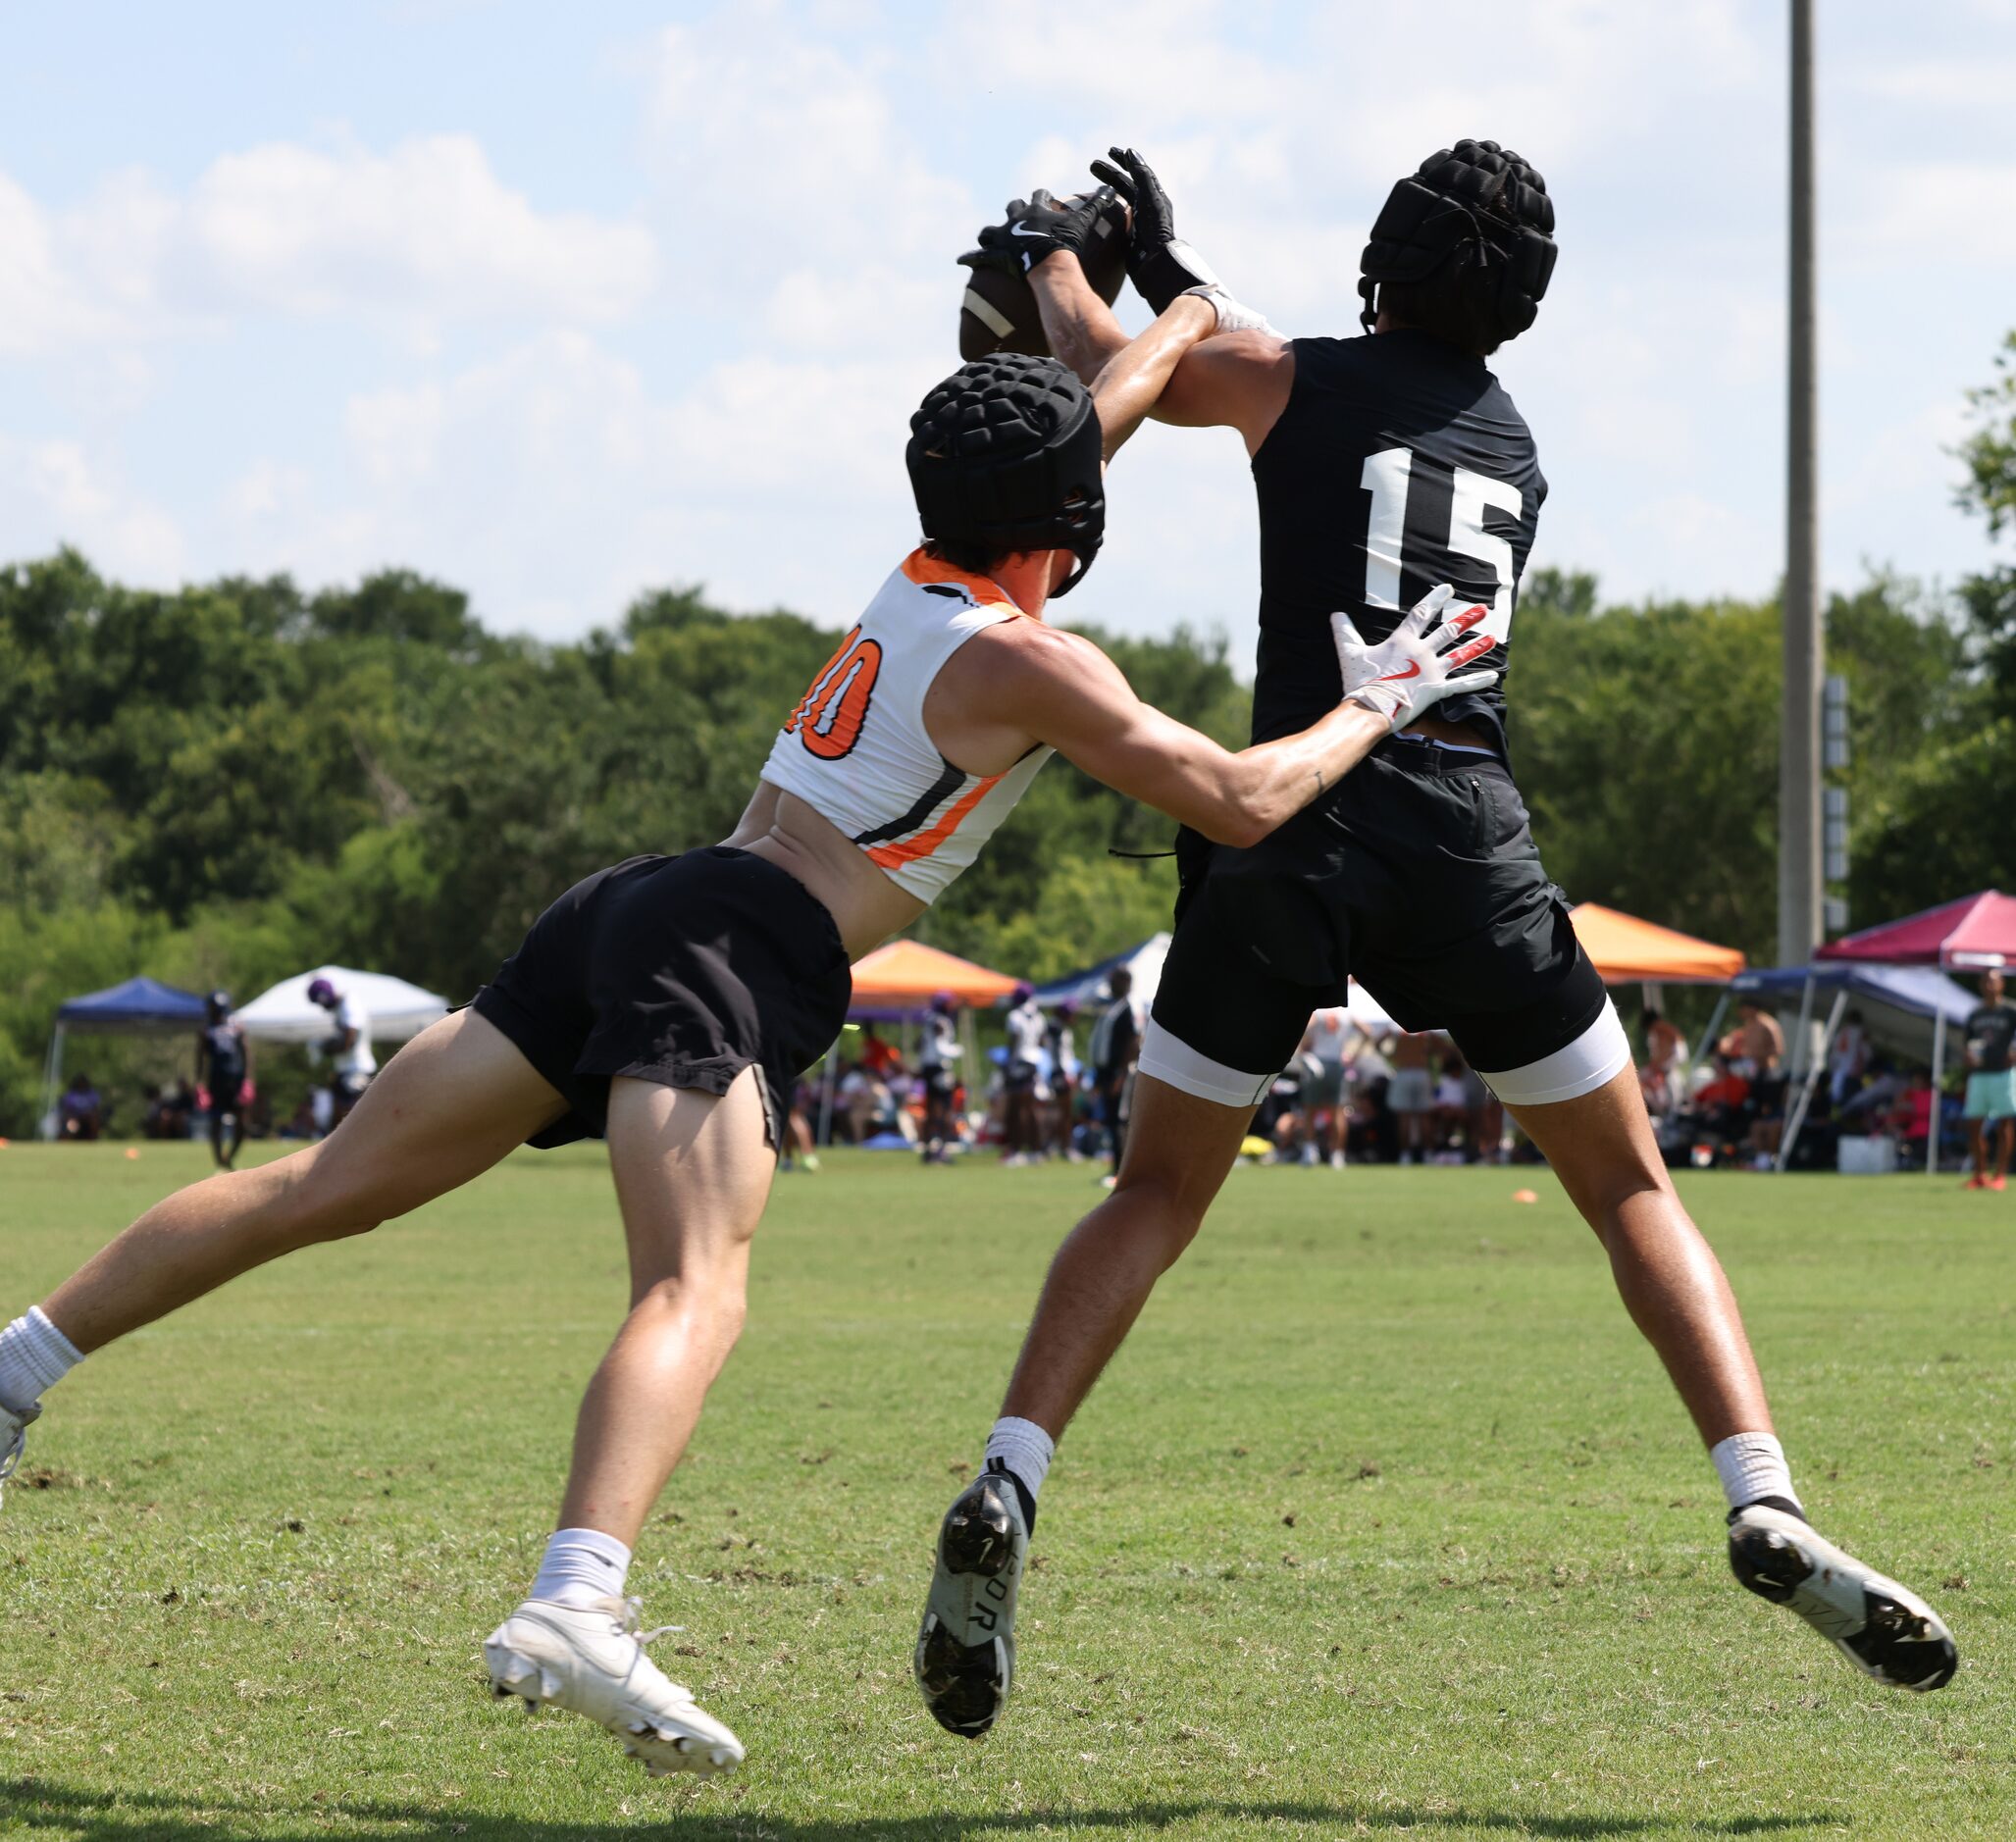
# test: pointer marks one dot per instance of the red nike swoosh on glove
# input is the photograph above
(1413, 671)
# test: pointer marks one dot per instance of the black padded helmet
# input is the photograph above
(1004, 455)
(1479, 196)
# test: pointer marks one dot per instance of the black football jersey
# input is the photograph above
(1399, 462)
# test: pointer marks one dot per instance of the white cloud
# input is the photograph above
(59, 488)
(1956, 214)
(423, 234)
(427, 228)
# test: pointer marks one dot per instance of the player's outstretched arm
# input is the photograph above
(1134, 379)
(1025, 680)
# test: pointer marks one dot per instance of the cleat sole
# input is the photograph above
(1885, 1631)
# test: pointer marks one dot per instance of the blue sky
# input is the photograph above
(560, 303)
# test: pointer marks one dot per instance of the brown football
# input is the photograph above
(998, 311)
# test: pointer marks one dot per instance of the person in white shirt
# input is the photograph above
(348, 1047)
(938, 1061)
(1022, 1118)
(1328, 1041)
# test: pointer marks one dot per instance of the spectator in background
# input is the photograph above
(170, 1111)
(1021, 1125)
(1660, 1077)
(1115, 1049)
(224, 1070)
(938, 1058)
(1992, 1081)
(1411, 1093)
(1868, 1108)
(1484, 1119)
(798, 1151)
(869, 1105)
(1756, 1049)
(882, 1059)
(1327, 1043)
(1452, 1102)
(349, 1048)
(1756, 1045)
(1060, 1039)
(1848, 1059)
(80, 1112)
(1721, 1107)
(1665, 1047)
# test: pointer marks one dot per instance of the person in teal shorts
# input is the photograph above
(1992, 1081)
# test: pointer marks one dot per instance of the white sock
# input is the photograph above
(34, 1355)
(1752, 1466)
(1021, 1447)
(582, 1565)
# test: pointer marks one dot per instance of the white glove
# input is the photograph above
(1233, 316)
(1415, 667)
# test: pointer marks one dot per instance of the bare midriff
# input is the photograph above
(1434, 729)
(865, 906)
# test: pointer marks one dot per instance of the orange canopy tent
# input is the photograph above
(904, 975)
(1626, 951)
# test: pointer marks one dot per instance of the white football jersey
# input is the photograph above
(856, 750)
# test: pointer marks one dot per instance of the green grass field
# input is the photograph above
(1383, 1522)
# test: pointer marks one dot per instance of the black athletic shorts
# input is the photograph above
(1417, 876)
(681, 970)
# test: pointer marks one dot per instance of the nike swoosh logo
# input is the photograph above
(1413, 671)
(1016, 229)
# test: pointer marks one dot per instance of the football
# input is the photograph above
(997, 310)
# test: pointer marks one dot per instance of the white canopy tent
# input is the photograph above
(397, 1010)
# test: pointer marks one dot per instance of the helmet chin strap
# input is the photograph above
(1081, 563)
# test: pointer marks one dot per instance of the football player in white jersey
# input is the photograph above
(667, 1003)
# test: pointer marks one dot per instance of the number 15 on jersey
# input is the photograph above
(1386, 477)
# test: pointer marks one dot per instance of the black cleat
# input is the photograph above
(966, 1659)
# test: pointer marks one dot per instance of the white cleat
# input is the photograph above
(14, 1439)
(965, 1657)
(591, 1661)
(1885, 1630)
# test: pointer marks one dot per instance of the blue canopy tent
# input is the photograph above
(1906, 1008)
(1087, 986)
(139, 1007)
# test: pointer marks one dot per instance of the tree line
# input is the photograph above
(224, 783)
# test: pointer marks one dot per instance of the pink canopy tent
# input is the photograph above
(1977, 931)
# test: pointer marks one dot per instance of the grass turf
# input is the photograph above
(1385, 1521)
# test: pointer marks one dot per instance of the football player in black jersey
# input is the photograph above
(1384, 464)
(223, 1065)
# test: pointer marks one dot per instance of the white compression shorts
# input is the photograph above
(1592, 1060)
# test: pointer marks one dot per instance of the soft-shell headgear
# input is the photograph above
(1004, 455)
(1476, 196)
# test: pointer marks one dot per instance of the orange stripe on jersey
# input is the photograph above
(889, 857)
(840, 652)
(921, 567)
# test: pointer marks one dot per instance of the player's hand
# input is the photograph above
(1160, 263)
(1419, 664)
(1233, 316)
(1038, 226)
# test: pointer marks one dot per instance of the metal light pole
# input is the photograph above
(1799, 922)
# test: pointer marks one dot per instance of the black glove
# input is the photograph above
(1037, 227)
(1160, 263)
